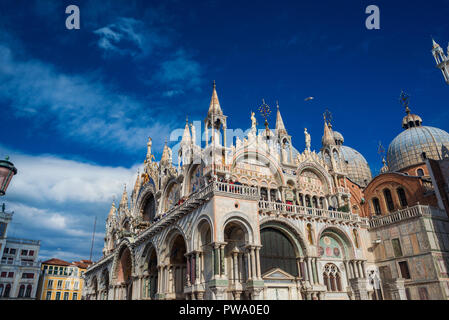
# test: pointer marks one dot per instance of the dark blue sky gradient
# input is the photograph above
(277, 50)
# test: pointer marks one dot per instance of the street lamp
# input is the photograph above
(7, 171)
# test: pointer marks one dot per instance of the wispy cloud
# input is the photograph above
(128, 36)
(83, 108)
(180, 72)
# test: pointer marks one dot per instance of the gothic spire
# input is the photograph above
(124, 201)
(214, 106)
(113, 211)
(166, 155)
(186, 138)
(280, 128)
(328, 138)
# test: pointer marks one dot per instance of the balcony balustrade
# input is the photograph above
(404, 214)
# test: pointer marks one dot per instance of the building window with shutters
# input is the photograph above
(376, 205)
(66, 296)
(405, 273)
(21, 291)
(58, 296)
(48, 297)
(402, 197)
(28, 291)
(396, 247)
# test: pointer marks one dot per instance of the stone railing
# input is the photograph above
(235, 189)
(293, 210)
(408, 213)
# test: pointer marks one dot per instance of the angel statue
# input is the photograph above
(253, 121)
(307, 136)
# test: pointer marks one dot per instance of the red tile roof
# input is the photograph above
(57, 262)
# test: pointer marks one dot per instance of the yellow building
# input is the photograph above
(61, 280)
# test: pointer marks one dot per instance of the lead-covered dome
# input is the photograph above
(411, 146)
(416, 143)
(357, 167)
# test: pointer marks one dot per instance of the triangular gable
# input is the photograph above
(277, 274)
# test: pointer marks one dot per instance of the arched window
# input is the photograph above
(263, 194)
(402, 197)
(7, 290)
(376, 205)
(308, 202)
(389, 200)
(21, 291)
(277, 252)
(310, 233)
(332, 278)
(420, 172)
(28, 292)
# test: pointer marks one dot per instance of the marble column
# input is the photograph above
(253, 263)
(259, 276)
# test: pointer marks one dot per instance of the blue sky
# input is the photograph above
(78, 105)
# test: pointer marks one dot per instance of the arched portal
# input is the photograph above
(237, 259)
(150, 270)
(124, 272)
(277, 252)
(202, 269)
(178, 267)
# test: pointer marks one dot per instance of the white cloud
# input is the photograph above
(55, 200)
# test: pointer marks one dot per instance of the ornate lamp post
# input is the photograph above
(7, 171)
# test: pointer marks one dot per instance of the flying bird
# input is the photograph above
(309, 98)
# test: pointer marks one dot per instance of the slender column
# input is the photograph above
(222, 261)
(207, 136)
(248, 265)
(236, 269)
(232, 274)
(197, 269)
(351, 265)
(253, 263)
(316, 270)
(188, 273)
(309, 270)
(363, 269)
(241, 276)
(359, 268)
(258, 262)
(224, 137)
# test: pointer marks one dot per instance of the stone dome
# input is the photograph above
(338, 137)
(408, 147)
(357, 167)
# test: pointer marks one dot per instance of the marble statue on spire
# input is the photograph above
(308, 139)
(253, 121)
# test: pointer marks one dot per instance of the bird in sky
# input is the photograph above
(309, 98)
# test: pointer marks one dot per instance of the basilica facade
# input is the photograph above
(257, 219)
